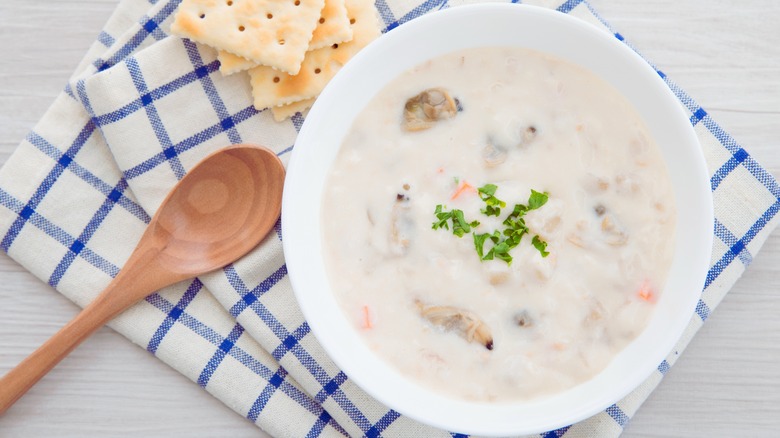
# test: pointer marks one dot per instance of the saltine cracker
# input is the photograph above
(333, 28)
(275, 33)
(273, 88)
(285, 111)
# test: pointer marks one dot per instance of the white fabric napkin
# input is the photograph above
(141, 110)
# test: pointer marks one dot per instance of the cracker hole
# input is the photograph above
(269, 16)
(352, 21)
(335, 46)
(322, 20)
(317, 71)
(297, 2)
(281, 42)
(202, 16)
(241, 28)
(230, 2)
(276, 79)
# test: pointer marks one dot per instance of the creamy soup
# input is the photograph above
(584, 187)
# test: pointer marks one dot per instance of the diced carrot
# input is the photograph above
(366, 318)
(646, 292)
(463, 187)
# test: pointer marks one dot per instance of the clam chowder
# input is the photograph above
(498, 224)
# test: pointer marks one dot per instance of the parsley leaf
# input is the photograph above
(442, 217)
(514, 235)
(537, 199)
(479, 243)
(459, 224)
(501, 252)
(493, 205)
(488, 189)
(517, 213)
(540, 245)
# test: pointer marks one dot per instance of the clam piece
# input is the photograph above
(465, 323)
(525, 135)
(576, 240)
(596, 312)
(497, 273)
(401, 225)
(493, 155)
(614, 234)
(528, 135)
(576, 237)
(544, 267)
(423, 110)
(627, 184)
(523, 319)
(496, 278)
(595, 184)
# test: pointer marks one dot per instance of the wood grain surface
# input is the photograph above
(724, 53)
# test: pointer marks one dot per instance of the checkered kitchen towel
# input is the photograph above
(143, 108)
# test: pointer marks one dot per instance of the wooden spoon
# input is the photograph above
(217, 213)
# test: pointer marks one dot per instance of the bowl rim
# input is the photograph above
(316, 300)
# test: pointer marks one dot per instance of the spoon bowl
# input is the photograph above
(215, 212)
(218, 212)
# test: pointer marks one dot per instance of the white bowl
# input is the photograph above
(478, 26)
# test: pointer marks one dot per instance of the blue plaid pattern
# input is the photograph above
(82, 210)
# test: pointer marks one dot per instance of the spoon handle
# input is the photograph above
(112, 301)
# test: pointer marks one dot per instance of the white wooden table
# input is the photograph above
(726, 54)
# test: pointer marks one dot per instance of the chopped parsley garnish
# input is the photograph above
(537, 200)
(540, 245)
(479, 243)
(459, 224)
(493, 205)
(502, 241)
